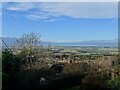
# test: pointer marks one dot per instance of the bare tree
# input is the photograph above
(32, 52)
(29, 47)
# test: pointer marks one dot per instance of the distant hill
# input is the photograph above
(99, 43)
(11, 41)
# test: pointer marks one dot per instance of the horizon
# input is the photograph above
(61, 22)
(115, 39)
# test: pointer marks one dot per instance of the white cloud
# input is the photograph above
(19, 6)
(52, 20)
(43, 15)
(51, 11)
(82, 10)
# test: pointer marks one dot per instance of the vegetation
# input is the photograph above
(31, 65)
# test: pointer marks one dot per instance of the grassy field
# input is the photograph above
(88, 50)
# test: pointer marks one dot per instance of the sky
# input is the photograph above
(61, 21)
(60, 0)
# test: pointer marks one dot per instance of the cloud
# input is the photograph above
(82, 10)
(52, 11)
(43, 15)
(21, 6)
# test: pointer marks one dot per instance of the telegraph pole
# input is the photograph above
(6, 45)
(11, 53)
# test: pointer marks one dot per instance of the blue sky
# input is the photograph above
(61, 21)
